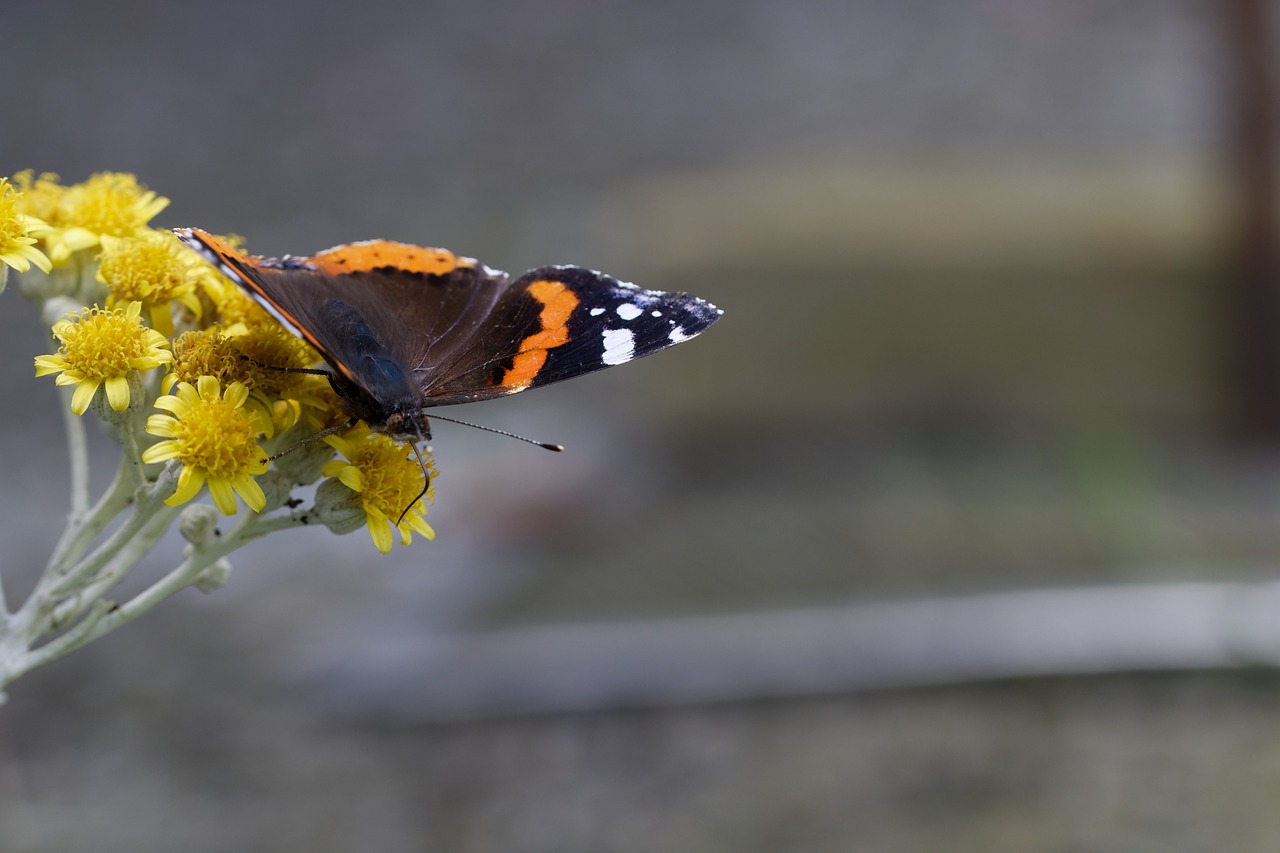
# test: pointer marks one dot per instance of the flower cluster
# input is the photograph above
(17, 233)
(143, 323)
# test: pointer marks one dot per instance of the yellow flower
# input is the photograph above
(110, 203)
(40, 196)
(153, 268)
(102, 347)
(268, 347)
(216, 437)
(216, 290)
(237, 310)
(17, 246)
(209, 352)
(206, 352)
(388, 478)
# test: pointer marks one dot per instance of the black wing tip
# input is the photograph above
(701, 311)
(705, 311)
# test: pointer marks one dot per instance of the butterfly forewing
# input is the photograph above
(554, 323)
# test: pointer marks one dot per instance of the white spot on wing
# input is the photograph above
(656, 313)
(596, 312)
(619, 346)
(677, 335)
(627, 311)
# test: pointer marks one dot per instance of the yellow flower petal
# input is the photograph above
(208, 388)
(75, 239)
(46, 364)
(83, 396)
(162, 319)
(190, 481)
(15, 260)
(162, 451)
(187, 393)
(175, 404)
(118, 393)
(236, 394)
(340, 444)
(37, 257)
(351, 478)
(224, 497)
(250, 492)
(380, 531)
(419, 524)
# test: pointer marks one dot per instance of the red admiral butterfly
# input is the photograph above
(405, 328)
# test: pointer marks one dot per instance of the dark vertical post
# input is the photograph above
(1255, 266)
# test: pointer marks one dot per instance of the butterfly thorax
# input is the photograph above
(373, 385)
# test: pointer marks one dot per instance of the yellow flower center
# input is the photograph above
(272, 345)
(111, 203)
(148, 268)
(217, 436)
(207, 353)
(102, 344)
(389, 481)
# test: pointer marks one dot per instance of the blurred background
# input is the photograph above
(959, 531)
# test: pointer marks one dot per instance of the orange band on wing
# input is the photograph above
(371, 255)
(523, 369)
(558, 303)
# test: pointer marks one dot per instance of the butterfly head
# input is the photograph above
(407, 424)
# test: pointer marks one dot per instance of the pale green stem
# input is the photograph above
(32, 619)
(83, 524)
(115, 570)
(150, 502)
(78, 457)
(186, 573)
(84, 528)
(271, 524)
(71, 640)
(133, 451)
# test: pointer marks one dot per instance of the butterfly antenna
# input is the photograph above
(315, 436)
(546, 445)
(426, 474)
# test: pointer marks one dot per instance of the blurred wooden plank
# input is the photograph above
(807, 652)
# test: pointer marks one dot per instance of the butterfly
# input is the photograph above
(406, 328)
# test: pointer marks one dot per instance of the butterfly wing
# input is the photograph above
(367, 302)
(555, 323)
(413, 327)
